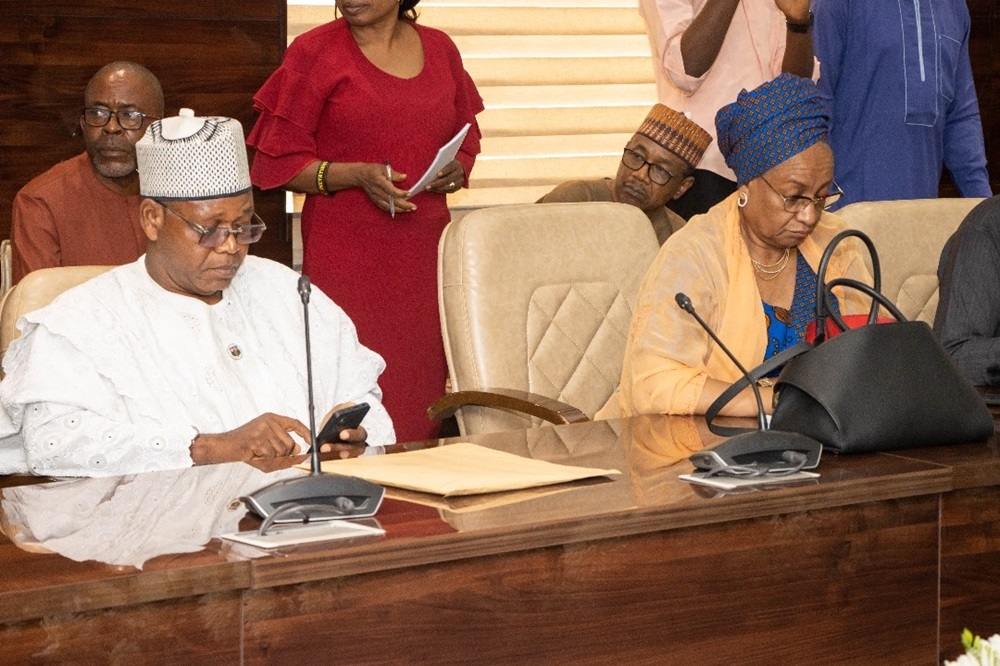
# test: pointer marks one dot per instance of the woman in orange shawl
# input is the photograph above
(748, 265)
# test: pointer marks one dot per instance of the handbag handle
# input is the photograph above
(878, 298)
(823, 309)
(761, 370)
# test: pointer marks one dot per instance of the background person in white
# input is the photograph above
(192, 354)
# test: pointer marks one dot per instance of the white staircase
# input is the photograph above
(565, 84)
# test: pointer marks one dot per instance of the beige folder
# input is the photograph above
(460, 469)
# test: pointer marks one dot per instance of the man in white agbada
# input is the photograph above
(192, 354)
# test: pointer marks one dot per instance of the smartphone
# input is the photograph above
(347, 418)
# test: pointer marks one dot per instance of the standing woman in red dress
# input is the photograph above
(367, 90)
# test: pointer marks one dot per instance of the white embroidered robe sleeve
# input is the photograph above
(75, 422)
(118, 375)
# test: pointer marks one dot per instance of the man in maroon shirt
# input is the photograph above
(85, 211)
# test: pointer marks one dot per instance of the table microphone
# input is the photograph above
(317, 496)
(305, 290)
(762, 447)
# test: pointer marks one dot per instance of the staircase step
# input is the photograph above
(536, 20)
(496, 196)
(551, 46)
(549, 170)
(555, 71)
(548, 160)
(555, 97)
(574, 120)
(526, 147)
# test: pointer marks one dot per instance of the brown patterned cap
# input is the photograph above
(675, 132)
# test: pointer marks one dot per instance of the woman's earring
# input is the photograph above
(742, 201)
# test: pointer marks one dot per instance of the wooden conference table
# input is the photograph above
(882, 560)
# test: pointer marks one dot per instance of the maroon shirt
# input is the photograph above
(67, 217)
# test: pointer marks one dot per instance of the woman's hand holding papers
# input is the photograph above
(449, 179)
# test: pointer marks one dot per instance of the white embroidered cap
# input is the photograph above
(189, 158)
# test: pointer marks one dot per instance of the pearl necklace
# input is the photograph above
(768, 272)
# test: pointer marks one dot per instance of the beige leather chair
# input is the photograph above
(909, 236)
(535, 302)
(6, 269)
(36, 290)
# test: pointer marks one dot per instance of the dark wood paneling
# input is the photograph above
(848, 570)
(984, 52)
(196, 630)
(210, 56)
(854, 585)
(48, 585)
(970, 560)
(845, 479)
(223, 10)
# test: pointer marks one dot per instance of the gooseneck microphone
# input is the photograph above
(305, 289)
(764, 450)
(686, 305)
(317, 496)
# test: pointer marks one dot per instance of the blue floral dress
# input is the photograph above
(787, 328)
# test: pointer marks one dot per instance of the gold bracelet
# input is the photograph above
(321, 177)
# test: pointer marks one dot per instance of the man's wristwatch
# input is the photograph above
(800, 28)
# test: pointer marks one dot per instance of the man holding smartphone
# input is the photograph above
(193, 354)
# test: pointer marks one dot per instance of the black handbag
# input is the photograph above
(877, 387)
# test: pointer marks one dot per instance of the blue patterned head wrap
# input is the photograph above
(769, 124)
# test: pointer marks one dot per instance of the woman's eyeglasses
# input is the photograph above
(798, 203)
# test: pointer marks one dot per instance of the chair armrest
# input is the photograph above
(513, 400)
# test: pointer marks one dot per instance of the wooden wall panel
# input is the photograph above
(224, 10)
(970, 558)
(196, 630)
(211, 56)
(851, 585)
(984, 52)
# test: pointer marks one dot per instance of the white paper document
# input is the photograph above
(291, 535)
(733, 482)
(443, 159)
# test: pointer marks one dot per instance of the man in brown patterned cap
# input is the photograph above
(657, 166)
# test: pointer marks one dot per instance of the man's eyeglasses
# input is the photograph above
(797, 204)
(635, 161)
(130, 119)
(218, 235)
